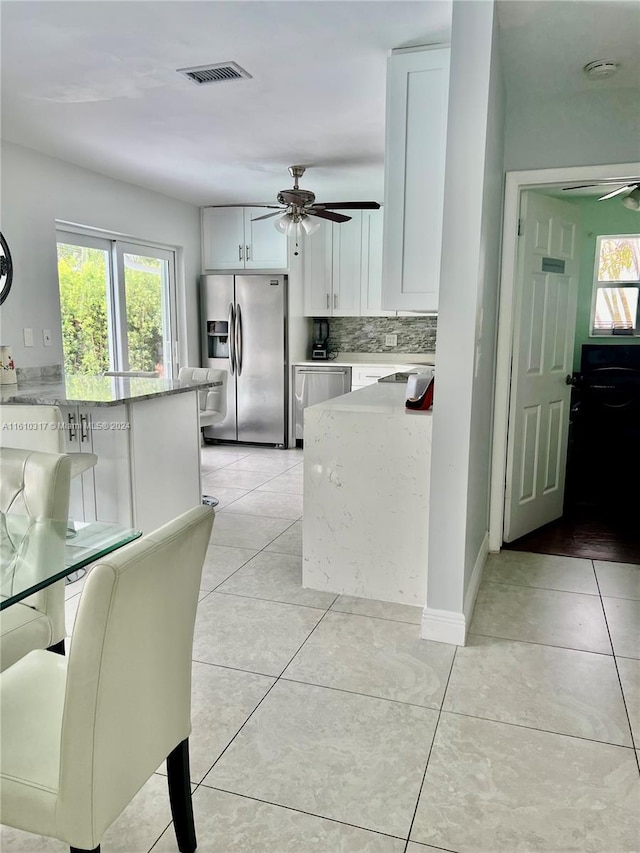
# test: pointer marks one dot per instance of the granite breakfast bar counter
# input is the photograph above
(367, 465)
(145, 433)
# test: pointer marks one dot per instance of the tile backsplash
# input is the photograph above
(34, 374)
(366, 334)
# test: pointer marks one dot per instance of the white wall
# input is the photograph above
(37, 190)
(465, 350)
(577, 130)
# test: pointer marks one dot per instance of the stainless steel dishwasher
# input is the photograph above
(315, 385)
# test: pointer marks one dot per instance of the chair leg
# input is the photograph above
(80, 850)
(180, 797)
(58, 648)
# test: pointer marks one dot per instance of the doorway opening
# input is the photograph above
(597, 519)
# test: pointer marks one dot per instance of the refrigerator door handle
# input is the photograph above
(232, 339)
(239, 339)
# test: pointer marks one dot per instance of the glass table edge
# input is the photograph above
(125, 539)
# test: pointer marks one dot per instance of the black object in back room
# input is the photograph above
(603, 465)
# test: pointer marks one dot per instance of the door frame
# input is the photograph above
(517, 182)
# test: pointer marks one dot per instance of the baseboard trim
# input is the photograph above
(444, 626)
(451, 626)
(476, 577)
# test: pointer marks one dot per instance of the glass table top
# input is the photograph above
(37, 553)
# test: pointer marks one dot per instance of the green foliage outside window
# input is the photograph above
(84, 282)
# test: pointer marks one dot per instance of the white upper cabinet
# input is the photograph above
(371, 280)
(232, 239)
(265, 247)
(416, 135)
(332, 269)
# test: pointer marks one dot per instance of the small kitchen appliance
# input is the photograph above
(320, 340)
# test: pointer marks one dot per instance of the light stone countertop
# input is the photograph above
(95, 390)
(387, 398)
(367, 463)
(371, 359)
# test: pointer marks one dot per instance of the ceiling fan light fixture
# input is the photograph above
(632, 201)
(281, 224)
(289, 224)
(294, 224)
(309, 225)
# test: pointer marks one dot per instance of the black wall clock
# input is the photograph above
(6, 269)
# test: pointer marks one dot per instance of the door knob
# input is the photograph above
(570, 379)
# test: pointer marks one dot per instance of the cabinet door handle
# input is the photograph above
(84, 428)
(327, 301)
(239, 252)
(246, 254)
(73, 431)
(335, 300)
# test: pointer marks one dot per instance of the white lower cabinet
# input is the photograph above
(148, 468)
(102, 492)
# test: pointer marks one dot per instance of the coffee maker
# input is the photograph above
(320, 340)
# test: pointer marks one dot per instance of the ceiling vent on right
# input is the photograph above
(599, 69)
(221, 72)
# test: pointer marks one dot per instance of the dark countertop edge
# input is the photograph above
(41, 398)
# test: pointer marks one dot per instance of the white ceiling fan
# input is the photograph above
(630, 186)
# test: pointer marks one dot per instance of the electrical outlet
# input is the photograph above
(46, 337)
(28, 337)
(391, 340)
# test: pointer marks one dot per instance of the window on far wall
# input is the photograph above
(616, 286)
(117, 301)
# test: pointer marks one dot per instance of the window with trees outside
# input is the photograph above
(117, 301)
(616, 286)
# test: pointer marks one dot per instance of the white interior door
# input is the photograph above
(544, 327)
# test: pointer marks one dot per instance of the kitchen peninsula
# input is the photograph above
(366, 495)
(146, 435)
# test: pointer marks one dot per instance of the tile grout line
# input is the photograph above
(537, 729)
(615, 663)
(435, 732)
(277, 679)
(300, 811)
(539, 643)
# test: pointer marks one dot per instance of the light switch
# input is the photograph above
(46, 337)
(391, 340)
(28, 337)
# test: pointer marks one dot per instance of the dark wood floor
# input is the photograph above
(595, 532)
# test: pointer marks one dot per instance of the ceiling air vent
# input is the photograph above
(218, 73)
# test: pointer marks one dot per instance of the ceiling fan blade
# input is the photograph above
(239, 204)
(326, 214)
(347, 205)
(268, 215)
(618, 191)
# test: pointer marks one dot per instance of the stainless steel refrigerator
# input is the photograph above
(244, 320)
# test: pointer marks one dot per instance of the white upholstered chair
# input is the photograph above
(34, 488)
(40, 428)
(213, 401)
(82, 734)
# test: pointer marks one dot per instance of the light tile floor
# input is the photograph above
(324, 723)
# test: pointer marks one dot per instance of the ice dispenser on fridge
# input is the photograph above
(217, 339)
